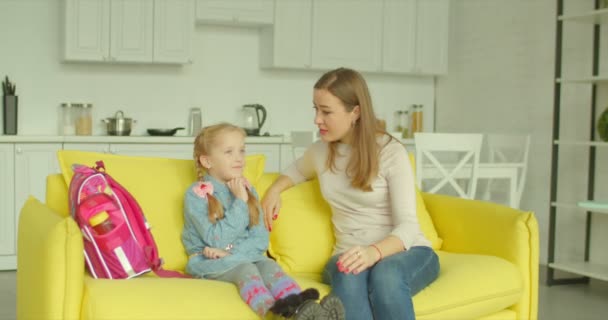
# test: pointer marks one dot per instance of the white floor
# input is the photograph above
(563, 302)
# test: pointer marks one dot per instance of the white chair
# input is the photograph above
(512, 150)
(300, 140)
(459, 153)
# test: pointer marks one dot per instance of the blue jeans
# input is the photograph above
(385, 290)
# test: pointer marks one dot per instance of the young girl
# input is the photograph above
(224, 231)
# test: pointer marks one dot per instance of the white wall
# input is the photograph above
(224, 76)
(500, 80)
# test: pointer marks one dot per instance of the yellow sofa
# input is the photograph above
(488, 253)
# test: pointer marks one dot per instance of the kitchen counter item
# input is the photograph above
(119, 125)
(10, 110)
(252, 121)
(195, 121)
(67, 126)
(84, 119)
(164, 132)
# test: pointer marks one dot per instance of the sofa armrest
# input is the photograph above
(50, 264)
(477, 227)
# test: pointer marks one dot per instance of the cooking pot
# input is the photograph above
(164, 132)
(119, 125)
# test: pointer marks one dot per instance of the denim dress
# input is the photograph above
(232, 233)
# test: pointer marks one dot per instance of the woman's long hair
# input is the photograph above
(204, 142)
(349, 86)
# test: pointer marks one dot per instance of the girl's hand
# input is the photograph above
(214, 253)
(357, 259)
(271, 204)
(237, 187)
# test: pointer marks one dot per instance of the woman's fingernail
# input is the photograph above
(274, 217)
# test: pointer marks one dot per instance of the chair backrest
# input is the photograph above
(503, 148)
(445, 157)
(300, 140)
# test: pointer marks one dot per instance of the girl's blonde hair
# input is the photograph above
(349, 86)
(204, 142)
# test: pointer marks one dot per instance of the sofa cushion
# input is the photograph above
(302, 237)
(149, 297)
(161, 195)
(424, 218)
(453, 295)
(468, 287)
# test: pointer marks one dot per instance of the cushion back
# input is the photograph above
(159, 186)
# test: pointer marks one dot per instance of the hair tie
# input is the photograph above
(203, 188)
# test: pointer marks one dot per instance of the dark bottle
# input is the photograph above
(101, 223)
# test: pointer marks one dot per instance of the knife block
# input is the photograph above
(9, 114)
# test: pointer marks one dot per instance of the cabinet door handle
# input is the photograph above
(19, 151)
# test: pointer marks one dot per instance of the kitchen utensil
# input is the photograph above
(119, 125)
(195, 121)
(164, 132)
(252, 124)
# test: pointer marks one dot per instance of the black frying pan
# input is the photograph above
(163, 132)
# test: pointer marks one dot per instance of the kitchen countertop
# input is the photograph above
(277, 139)
(127, 139)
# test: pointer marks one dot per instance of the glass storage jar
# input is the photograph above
(67, 124)
(84, 120)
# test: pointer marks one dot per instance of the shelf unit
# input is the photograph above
(585, 269)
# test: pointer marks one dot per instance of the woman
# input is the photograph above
(381, 257)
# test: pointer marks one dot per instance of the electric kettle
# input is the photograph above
(252, 120)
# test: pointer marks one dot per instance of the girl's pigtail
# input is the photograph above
(216, 211)
(254, 213)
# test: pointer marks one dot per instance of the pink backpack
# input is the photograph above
(128, 249)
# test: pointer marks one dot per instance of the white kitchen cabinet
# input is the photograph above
(173, 151)
(23, 170)
(90, 147)
(286, 44)
(415, 36)
(432, 36)
(140, 31)
(391, 36)
(131, 30)
(272, 153)
(86, 30)
(347, 34)
(7, 204)
(235, 12)
(173, 28)
(398, 47)
(33, 163)
(176, 151)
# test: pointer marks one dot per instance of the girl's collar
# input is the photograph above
(218, 186)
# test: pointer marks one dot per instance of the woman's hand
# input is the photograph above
(357, 259)
(214, 253)
(237, 187)
(271, 204)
